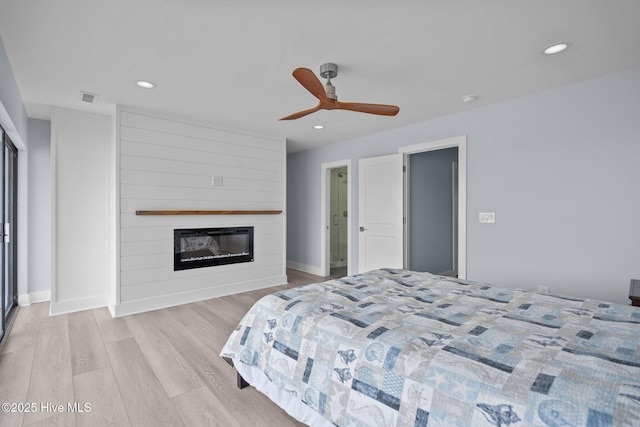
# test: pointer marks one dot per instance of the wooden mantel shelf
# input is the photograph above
(230, 212)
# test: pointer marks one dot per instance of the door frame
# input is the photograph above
(8, 148)
(459, 142)
(325, 206)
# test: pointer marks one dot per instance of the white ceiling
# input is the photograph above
(229, 62)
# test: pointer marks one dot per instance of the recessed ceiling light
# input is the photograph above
(556, 48)
(146, 84)
(469, 98)
(318, 127)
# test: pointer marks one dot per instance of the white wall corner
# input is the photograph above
(311, 269)
(33, 298)
(79, 163)
(22, 223)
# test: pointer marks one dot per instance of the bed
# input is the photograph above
(400, 348)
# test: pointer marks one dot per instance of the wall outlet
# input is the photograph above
(487, 217)
(543, 289)
(217, 181)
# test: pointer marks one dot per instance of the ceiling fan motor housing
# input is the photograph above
(328, 70)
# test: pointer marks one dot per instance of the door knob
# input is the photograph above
(362, 229)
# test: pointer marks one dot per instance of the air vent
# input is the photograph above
(91, 98)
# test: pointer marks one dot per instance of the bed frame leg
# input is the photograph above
(241, 382)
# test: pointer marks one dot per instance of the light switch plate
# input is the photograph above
(487, 217)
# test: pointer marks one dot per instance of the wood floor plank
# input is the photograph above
(24, 332)
(100, 390)
(200, 407)
(51, 374)
(123, 384)
(15, 373)
(238, 305)
(184, 314)
(253, 408)
(64, 419)
(174, 373)
(87, 350)
(111, 329)
(143, 396)
(57, 321)
(218, 317)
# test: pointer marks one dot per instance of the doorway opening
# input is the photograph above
(336, 208)
(431, 226)
(339, 223)
(450, 157)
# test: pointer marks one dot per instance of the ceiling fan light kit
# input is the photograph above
(327, 98)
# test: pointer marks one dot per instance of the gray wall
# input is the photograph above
(39, 199)
(430, 216)
(560, 170)
(33, 139)
(14, 117)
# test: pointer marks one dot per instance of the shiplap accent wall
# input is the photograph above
(167, 164)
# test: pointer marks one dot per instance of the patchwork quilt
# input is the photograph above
(400, 348)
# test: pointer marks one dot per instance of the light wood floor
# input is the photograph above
(159, 368)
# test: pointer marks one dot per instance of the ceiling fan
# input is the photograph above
(327, 94)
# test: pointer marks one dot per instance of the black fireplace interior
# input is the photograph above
(206, 247)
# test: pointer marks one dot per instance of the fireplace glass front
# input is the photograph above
(206, 247)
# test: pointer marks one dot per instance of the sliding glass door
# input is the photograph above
(8, 174)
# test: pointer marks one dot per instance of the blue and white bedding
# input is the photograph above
(400, 348)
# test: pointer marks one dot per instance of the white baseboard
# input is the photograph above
(163, 301)
(148, 304)
(306, 268)
(34, 298)
(71, 306)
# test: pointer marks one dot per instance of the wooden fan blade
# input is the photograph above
(308, 79)
(380, 109)
(301, 113)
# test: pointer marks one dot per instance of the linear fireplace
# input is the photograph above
(206, 247)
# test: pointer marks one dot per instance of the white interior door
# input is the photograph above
(380, 212)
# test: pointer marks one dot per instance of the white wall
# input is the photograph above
(13, 118)
(39, 217)
(559, 169)
(166, 164)
(79, 151)
(13, 115)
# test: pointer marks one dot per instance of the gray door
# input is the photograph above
(432, 211)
